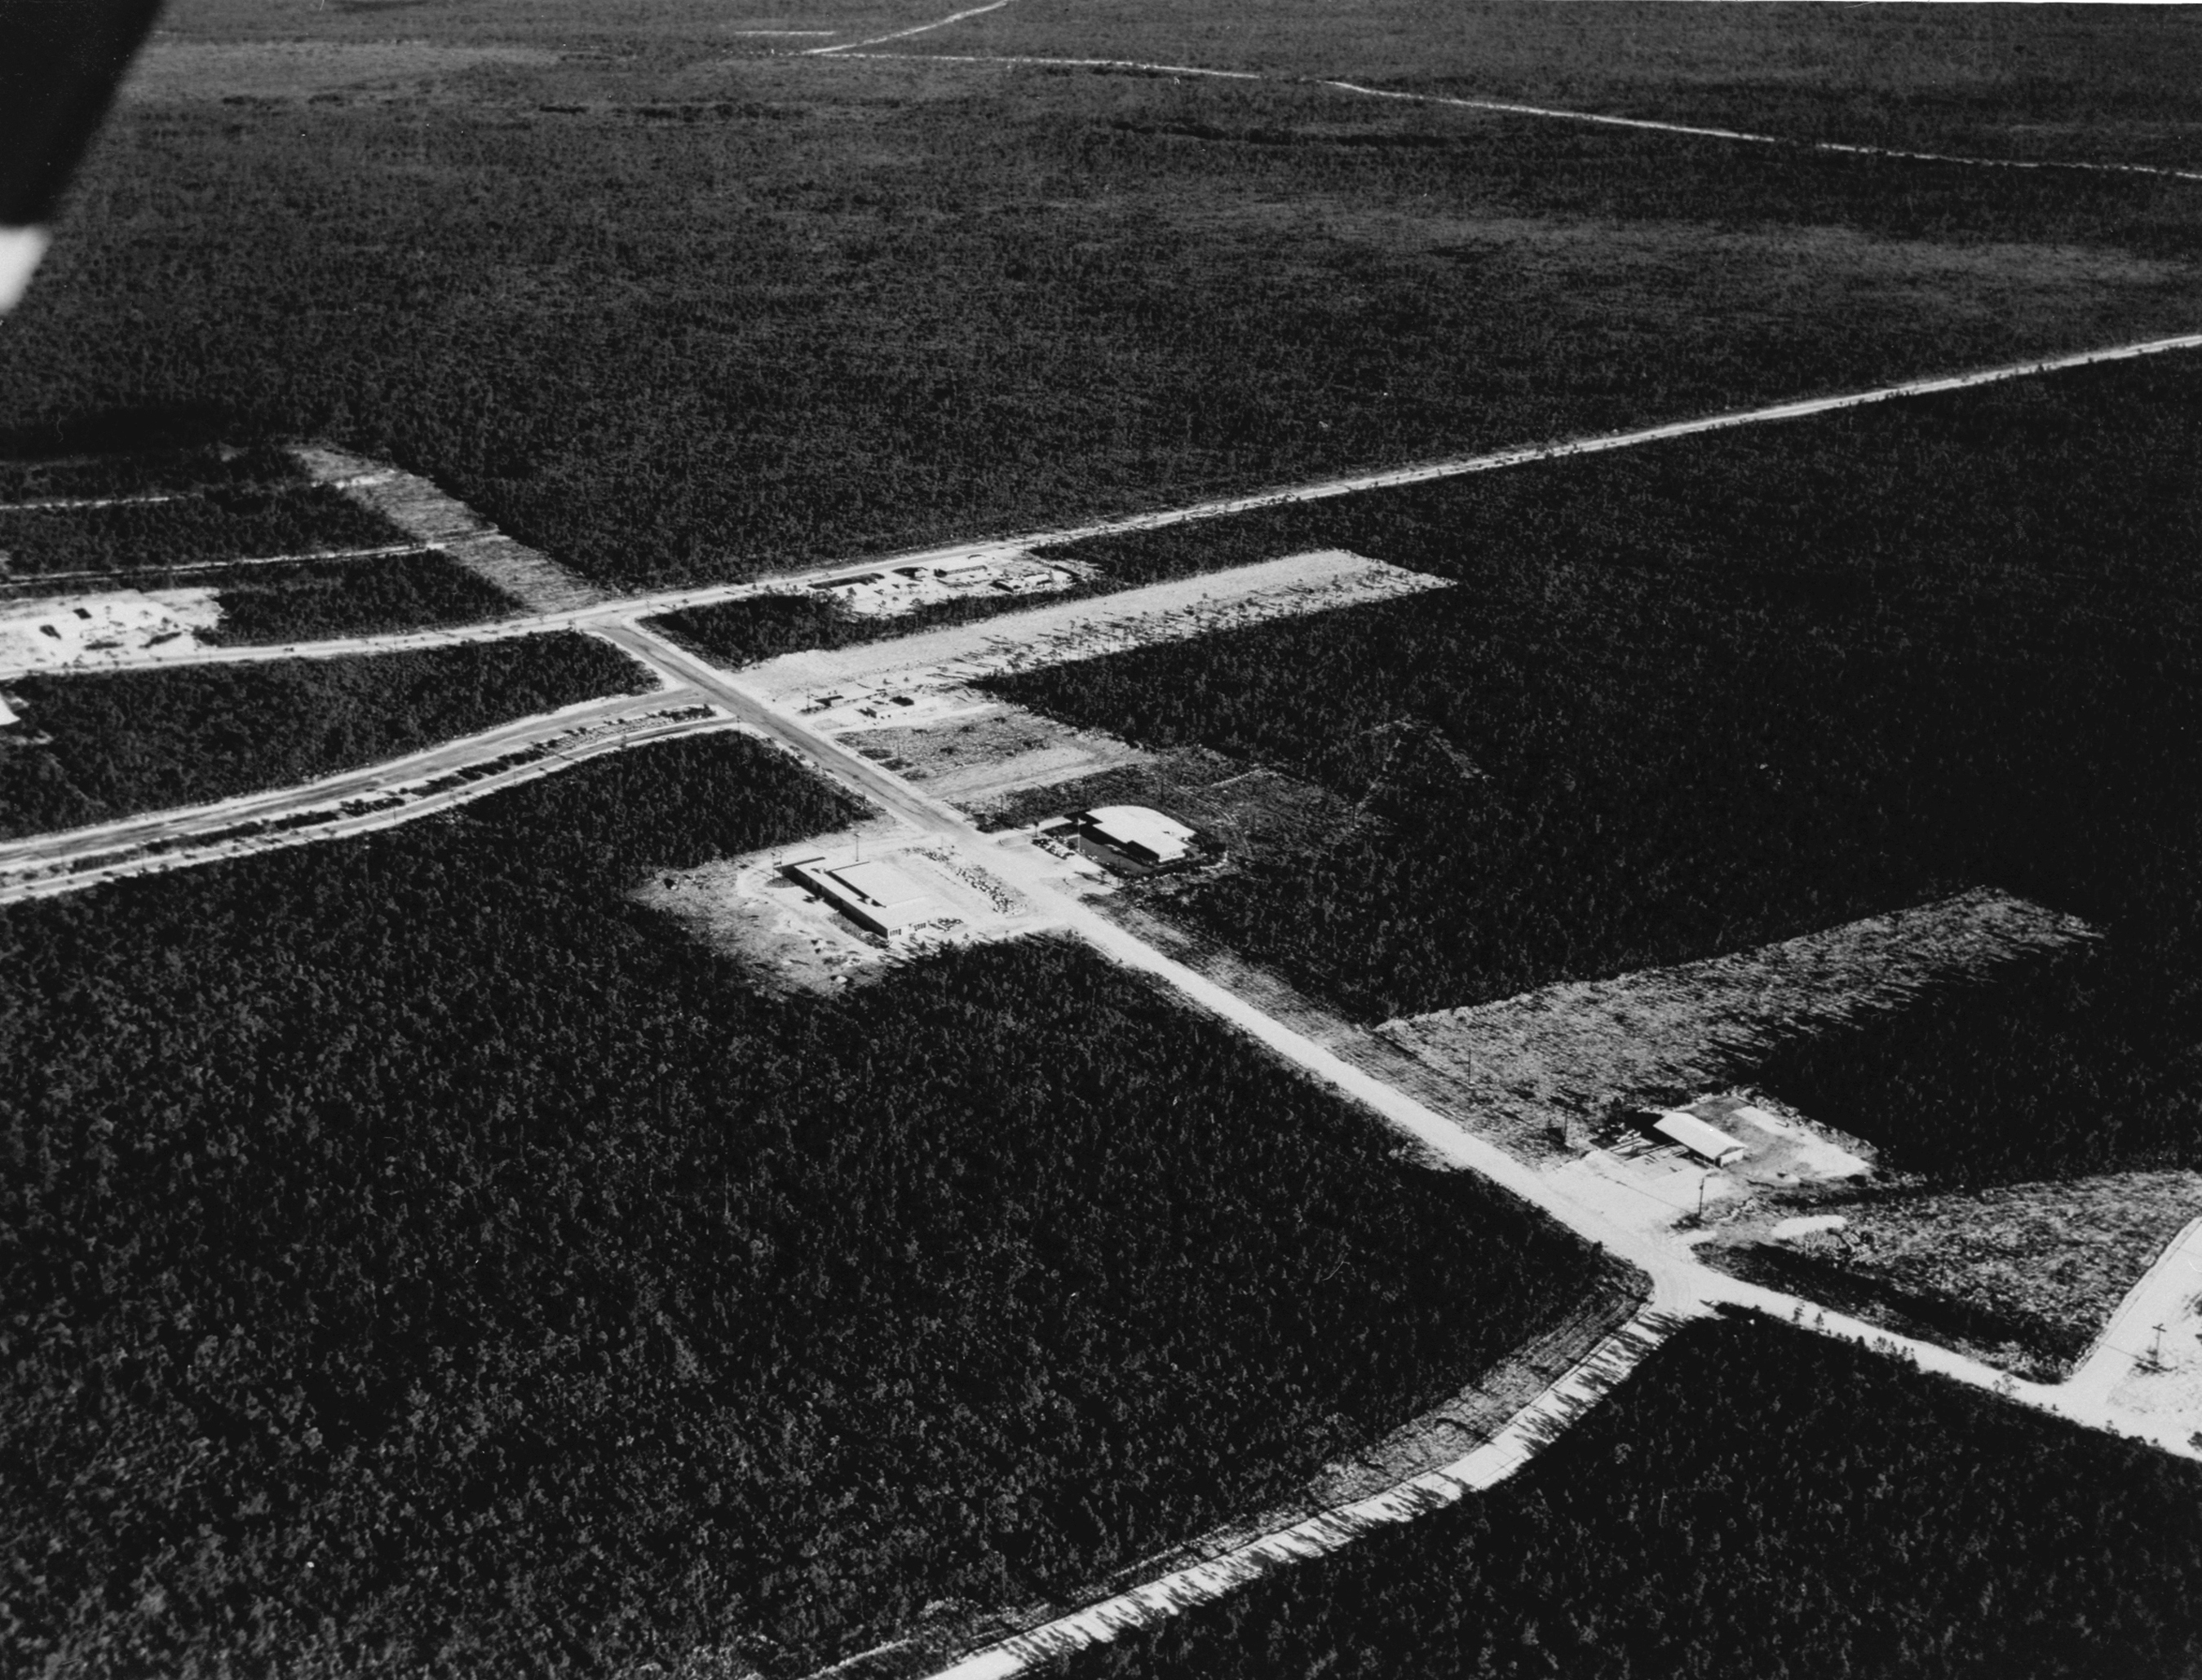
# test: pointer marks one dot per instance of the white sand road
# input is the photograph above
(626, 608)
(1610, 1212)
(352, 802)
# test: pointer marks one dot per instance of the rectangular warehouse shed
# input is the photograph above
(1707, 1142)
(876, 895)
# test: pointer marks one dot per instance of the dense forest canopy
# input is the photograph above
(418, 1257)
(669, 312)
(216, 522)
(1755, 1501)
(1716, 691)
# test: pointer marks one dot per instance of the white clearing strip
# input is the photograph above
(434, 520)
(1088, 628)
(589, 610)
(900, 34)
(1530, 1430)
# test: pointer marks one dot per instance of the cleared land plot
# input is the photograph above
(1249, 809)
(791, 933)
(761, 627)
(853, 687)
(409, 503)
(859, 307)
(1585, 1048)
(979, 759)
(1816, 1509)
(1700, 696)
(2022, 1275)
(92, 748)
(718, 1323)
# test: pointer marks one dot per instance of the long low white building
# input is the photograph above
(1708, 1142)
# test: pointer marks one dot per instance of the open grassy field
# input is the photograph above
(1705, 694)
(666, 309)
(420, 1256)
(93, 747)
(1754, 1501)
(2060, 82)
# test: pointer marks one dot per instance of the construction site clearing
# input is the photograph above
(894, 591)
(928, 676)
(843, 908)
(56, 632)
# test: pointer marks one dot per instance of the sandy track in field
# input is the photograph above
(1516, 108)
(1583, 1045)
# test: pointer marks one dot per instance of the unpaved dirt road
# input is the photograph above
(627, 608)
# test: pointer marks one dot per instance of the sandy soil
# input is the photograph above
(89, 626)
(2147, 1363)
(835, 688)
(1667, 1033)
(787, 939)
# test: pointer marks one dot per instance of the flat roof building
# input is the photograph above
(1708, 1142)
(876, 895)
(1144, 834)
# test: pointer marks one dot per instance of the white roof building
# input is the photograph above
(1136, 829)
(1695, 1136)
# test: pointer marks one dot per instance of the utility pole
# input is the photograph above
(2155, 1361)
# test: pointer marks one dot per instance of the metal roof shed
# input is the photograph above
(1699, 1139)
